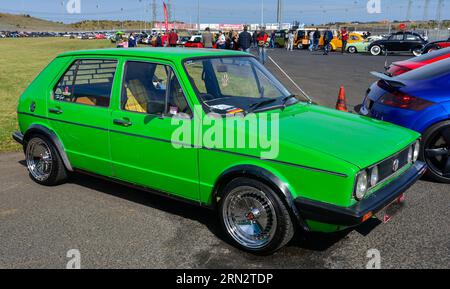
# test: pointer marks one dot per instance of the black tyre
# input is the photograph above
(417, 51)
(436, 151)
(376, 50)
(44, 163)
(254, 217)
(352, 49)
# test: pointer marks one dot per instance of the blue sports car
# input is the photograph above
(419, 100)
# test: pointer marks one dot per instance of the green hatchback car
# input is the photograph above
(217, 129)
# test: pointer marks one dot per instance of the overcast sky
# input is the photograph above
(230, 11)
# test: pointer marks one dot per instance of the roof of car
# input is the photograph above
(164, 53)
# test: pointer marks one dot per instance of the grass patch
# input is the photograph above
(21, 60)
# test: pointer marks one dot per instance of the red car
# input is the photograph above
(100, 36)
(401, 67)
(436, 46)
(194, 42)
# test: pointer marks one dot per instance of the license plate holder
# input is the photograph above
(388, 212)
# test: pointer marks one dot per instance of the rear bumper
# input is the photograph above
(353, 216)
(18, 137)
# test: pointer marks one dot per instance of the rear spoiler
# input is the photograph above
(394, 82)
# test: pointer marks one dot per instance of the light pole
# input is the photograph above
(198, 15)
(262, 13)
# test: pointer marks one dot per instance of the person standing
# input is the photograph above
(311, 40)
(207, 39)
(159, 40)
(344, 37)
(316, 39)
(221, 41)
(262, 41)
(118, 39)
(164, 40)
(245, 40)
(173, 38)
(254, 38)
(327, 37)
(290, 46)
(272, 40)
(132, 41)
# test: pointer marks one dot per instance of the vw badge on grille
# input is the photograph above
(395, 165)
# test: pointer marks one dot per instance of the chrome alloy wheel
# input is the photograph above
(249, 217)
(39, 159)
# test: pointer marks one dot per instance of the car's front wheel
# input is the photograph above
(43, 162)
(254, 217)
(436, 151)
(375, 50)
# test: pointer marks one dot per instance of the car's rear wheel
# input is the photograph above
(352, 49)
(375, 50)
(254, 217)
(417, 51)
(43, 162)
(436, 151)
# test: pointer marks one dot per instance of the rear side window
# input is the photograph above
(396, 37)
(88, 82)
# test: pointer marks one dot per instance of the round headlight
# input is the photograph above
(361, 185)
(410, 154)
(374, 177)
(416, 151)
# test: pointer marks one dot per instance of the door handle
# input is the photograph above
(55, 110)
(122, 122)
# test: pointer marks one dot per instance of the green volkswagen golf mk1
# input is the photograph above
(214, 128)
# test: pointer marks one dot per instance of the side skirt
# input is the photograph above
(145, 189)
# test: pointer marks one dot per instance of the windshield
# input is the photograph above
(230, 83)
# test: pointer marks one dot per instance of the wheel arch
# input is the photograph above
(51, 135)
(264, 176)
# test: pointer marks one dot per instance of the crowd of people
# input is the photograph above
(243, 41)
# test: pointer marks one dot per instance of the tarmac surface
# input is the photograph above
(114, 226)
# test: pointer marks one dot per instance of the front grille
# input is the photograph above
(386, 167)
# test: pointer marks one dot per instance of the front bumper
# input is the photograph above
(18, 137)
(355, 215)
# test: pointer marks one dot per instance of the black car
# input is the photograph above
(399, 42)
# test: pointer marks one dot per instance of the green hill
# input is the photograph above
(13, 22)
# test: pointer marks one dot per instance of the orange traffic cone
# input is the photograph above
(341, 102)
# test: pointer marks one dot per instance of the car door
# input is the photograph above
(79, 112)
(395, 42)
(144, 148)
(412, 41)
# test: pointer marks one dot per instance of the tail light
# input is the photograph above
(402, 100)
(395, 70)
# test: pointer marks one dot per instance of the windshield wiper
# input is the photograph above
(286, 99)
(257, 105)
